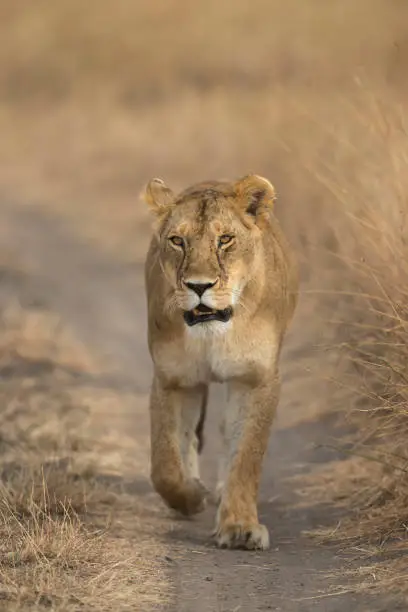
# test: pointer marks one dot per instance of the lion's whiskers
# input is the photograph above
(241, 302)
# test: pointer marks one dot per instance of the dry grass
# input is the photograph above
(67, 528)
(44, 540)
(375, 339)
(369, 222)
(44, 548)
(94, 100)
(370, 340)
(55, 555)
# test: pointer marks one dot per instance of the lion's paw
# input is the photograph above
(188, 497)
(193, 498)
(247, 536)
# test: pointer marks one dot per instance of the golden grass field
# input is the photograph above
(97, 98)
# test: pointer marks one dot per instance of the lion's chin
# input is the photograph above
(204, 314)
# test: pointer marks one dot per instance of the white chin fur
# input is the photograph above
(209, 328)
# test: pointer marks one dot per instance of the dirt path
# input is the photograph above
(104, 300)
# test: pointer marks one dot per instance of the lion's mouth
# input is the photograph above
(202, 314)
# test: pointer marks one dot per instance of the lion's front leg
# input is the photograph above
(249, 416)
(174, 414)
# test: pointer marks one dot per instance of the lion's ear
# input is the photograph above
(158, 196)
(255, 193)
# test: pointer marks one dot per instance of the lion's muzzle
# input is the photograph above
(203, 314)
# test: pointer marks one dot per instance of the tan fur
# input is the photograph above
(224, 235)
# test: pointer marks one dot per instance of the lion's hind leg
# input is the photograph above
(201, 421)
(193, 408)
(222, 461)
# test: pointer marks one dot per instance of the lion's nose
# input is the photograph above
(200, 288)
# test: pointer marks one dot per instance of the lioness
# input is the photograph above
(221, 290)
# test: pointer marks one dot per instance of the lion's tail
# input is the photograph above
(201, 421)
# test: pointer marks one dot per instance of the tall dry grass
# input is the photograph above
(365, 293)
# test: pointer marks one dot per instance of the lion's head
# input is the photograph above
(210, 243)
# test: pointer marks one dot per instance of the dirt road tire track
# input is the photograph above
(104, 300)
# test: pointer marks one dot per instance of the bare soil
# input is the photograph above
(102, 298)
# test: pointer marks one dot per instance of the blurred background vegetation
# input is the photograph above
(96, 97)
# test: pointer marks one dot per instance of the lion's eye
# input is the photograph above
(225, 239)
(177, 241)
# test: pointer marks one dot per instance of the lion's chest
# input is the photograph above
(204, 356)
